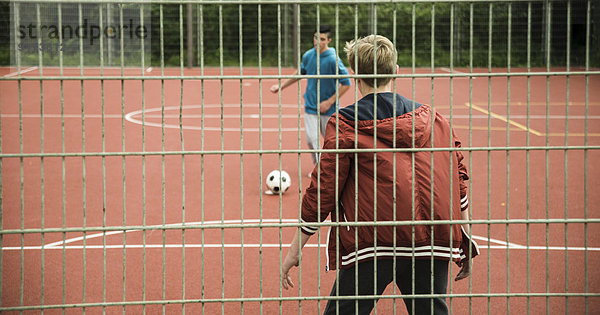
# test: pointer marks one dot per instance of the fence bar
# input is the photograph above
(303, 298)
(547, 157)
(322, 76)
(527, 155)
(489, 153)
(123, 159)
(241, 53)
(566, 157)
(585, 154)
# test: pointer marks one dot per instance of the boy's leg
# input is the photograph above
(365, 285)
(422, 279)
(311, 125)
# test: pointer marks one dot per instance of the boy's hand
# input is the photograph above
(465, 269)
(290, 261)
(325, 105)
(274, 88)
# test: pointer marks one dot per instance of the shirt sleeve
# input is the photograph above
(342, 70)
(321, 196)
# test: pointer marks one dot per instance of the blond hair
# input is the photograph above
(361, 57)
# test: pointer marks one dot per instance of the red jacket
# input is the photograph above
(404, 183)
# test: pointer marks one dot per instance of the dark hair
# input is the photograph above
(325, 29)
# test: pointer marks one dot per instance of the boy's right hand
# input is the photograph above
(290, 261)
(274, 88)
(465, 269)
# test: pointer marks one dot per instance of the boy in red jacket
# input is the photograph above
(393, 189)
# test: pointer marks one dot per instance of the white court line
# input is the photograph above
(502, 245)
(76, 116)
(130, 117)
(454, 71)
(95, 235)
(12, 74)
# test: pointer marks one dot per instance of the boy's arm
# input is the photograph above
(471, 249)
(326, 104)
(293, 257)
(276, 88)
(463, 177)
(319, 199)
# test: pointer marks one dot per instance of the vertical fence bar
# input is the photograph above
(470, 190)
(507, 227)
(103, 136)
(17, 14)
(241, 53)
(63, 173)
(318, 166)
(162, 140)
(182, 146)
(143, 82)
(297, 62)
(260, 157)
(42, 177)
(280, 214)
(412, 156)
(432, 52)
(202, 144)
(394, 132)
(375, 212)
(337, 142)
(489, 154)
(375, 158)
(222, 156)
(355, 67)
(450, 140)
(527, 154)
(83, 149)
(566, 157)
(585, 153)
(123, 147)
(546, 152)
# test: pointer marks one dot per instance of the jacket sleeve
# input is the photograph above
(463, 175)
(322, 194)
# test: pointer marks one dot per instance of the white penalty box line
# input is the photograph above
(62, 245)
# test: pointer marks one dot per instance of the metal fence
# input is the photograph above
(133, 164)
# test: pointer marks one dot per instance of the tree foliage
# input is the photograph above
(461, 34)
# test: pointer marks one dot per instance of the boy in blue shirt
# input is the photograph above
(317, 110)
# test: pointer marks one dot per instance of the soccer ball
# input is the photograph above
(278, 182)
